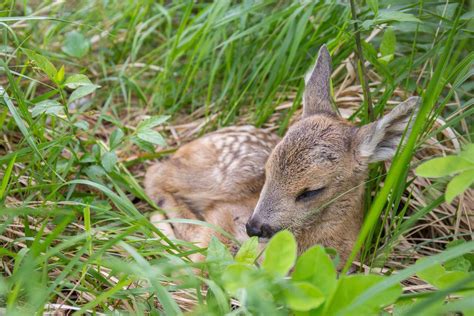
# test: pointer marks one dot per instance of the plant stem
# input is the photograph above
(360, 65)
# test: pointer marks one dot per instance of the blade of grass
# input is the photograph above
(6, 178)
(446, 255)
(402, 160)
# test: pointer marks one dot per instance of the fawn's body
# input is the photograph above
(313, 183)
(216, 178)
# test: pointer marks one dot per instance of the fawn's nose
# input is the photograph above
(255, 228)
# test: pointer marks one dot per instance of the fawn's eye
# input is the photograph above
(308, 194)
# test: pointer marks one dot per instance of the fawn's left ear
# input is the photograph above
(317, 97)
(379, 140)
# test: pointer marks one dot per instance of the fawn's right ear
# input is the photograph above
(317, 96)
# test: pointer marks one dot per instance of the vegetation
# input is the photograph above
(91, 92)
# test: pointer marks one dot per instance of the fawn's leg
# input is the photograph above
(157, 219)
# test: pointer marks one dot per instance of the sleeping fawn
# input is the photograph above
(311, 182)
(216, 178)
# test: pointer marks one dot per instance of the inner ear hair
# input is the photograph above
(317, 95)
(379, 140)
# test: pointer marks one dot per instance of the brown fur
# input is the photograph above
(316, 153)
(219, 177)
(329, 157)
(216, 178)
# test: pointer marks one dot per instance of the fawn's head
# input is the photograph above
(322, 157)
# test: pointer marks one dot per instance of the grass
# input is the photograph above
(75, 229)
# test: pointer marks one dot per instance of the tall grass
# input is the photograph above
(75, 229)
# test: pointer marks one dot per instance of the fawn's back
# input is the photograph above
(216, 178)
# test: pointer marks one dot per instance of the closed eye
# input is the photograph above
(307, 194)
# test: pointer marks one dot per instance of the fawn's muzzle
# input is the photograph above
(255, 228)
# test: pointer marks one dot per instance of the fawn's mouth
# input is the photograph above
(269, 233)
(255, 227)
(268, 236)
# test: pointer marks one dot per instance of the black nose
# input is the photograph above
(252, 229)
(256, 228)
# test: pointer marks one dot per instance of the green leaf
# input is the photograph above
(280, 253)
(402, 306)
(447, 10)
(432, 273)
(82, 91)
(395, 279)
(431, 306)
(443, 166)
(217, 251)
(470, 257)
(303, 296)
(75, 44)
(82, 125)
(450, 278)
(389, 42)
(393, 15)
(458, 264)
(151, 136)
(87, 158)
(216, 299)
(237, 276)
(142, 144)
(455, 242)
(109, 159)
(316, 267)
(77, 80)
(461, 263)
(6, 177)
(437, 275)
(218, 258)
(385, 59)
(468, 152)
(152, 122)
(59, 75)
(374, 6)
(43, 63)
(248, 252)
(467, 16)
(116, 138)
(464, 306)
(48, 107)
(349, 288)
(94, 172)
(367, 24)
(459, 184)
(96, 151)
(385, 16)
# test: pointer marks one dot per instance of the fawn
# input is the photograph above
(311, 182)
(216, 178)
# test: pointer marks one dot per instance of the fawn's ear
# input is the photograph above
(379, 140)
(317, 97)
